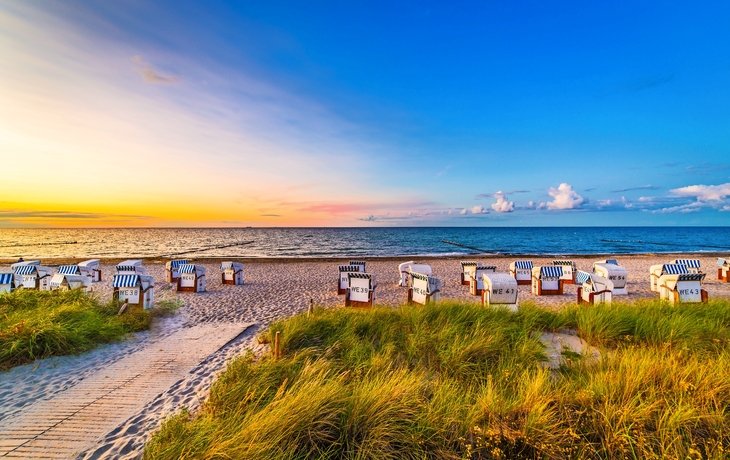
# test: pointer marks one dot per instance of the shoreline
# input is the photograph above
(398, 258)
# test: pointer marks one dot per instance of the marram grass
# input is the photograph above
(40, 324)
(459, 381)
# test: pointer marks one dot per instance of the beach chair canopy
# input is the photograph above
(68, 270)
(565, 263)
(348, 268)
(434, 284)
(691, 263)
(173, 264)
(467, 264)
(231, 266)
(692, 277)
(122, 281)
(129, 265)
(28, 262)
(499, 279)
(191, 268)
(358, 263)
(357, 275)
(722, 262)
(610, 261)
(554, 271)
(25, 269)
(524, 264)
(582, 277)
(91, 263)
(674, 269)
(6, 278)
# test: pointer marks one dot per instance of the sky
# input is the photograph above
(149, 113)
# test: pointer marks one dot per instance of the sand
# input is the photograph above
(272, 290)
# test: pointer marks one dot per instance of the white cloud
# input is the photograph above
(463, 212)
(479, 210)
(725, 208)
(682, 209)
(564, 197)
(502, 204)
(704, 192)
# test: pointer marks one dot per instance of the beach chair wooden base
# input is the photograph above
(357, 304)
(341, 291)
(463, 281)
(591, 297)
(524, 282)
(724, 277)
(473, 289)
(186, 289)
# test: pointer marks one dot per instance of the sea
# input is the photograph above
(356, 242)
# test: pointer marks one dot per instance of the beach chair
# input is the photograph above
(723, 269)
(423, 289)
(360, 290)
(476, 282)
(343, 281)
(359, 263)
(134, 289)
(657, 271)
(232, 273)
(693, 265)
(7, 282)
(191, 279)
(69, 281)
(130, 267)
(500, 290)
(171, 270)
(546, 280)
(91, 269)
(569, 270)
(611, 270)
(521, 270)
(685, 288)
(467, 270)
(592, 288)
(406, 268)
(32, 275)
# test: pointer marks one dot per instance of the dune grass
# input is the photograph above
(459, 381)
(40, 324)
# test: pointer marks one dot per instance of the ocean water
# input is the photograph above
(356, 242)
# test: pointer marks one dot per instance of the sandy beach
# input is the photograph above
(273, 289)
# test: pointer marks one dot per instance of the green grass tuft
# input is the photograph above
(456, 380)
(40, 324)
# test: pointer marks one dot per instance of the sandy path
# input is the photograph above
(273, 290)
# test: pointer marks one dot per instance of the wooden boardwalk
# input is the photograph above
(75, 419)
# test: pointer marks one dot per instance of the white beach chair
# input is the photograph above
(521, 270)
(657, 271)
(686, 287)
(500, 290)
(131, 267)
(32, 276)
(69, 281)
(611, 270)
(592, 288)
(191, 279)
(7, 282)
(91, 269)
(134, 289)
(232, 273)
(171, 269)
(406, 268)
(693, 265)
(569, 270)
(359, 263)
(360, 290)
(343, 280)
(476, 281)
(467, 270)
(546, 280)
(424, 289)
(723, 269)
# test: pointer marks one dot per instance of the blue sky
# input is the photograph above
(343, 113)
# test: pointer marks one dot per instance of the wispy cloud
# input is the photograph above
(706, 168)
(642, 187)
(491, 194)
(704, 192)
(15, 214)
(270, 215)
(150, 75)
